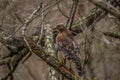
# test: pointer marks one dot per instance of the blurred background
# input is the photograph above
(104, 51)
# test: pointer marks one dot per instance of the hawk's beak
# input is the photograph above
(55, 31)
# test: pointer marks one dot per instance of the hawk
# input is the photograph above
(66, 44)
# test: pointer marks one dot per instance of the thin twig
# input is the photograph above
(10, 69)
(62, 11)
(73, 11)
(67, 23)
(42, 27)
(29, 19)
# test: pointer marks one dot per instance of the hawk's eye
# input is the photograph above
(61, 26)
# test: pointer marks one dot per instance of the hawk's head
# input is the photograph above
(60, 28)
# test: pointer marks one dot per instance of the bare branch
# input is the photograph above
(90, 19)
(111, 34)
(107, 7)
(29, 19)
(96, 16)
(51, 61)
(62, 11)
(72, 14)
(15, 61)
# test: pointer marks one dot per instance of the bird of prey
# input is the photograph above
(66, 44)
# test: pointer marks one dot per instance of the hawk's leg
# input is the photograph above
(62, 59)
(69, 65)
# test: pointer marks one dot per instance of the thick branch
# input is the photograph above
(107, 7)
(20, 52)
(50, 60)
(111, 34)
(15, 61)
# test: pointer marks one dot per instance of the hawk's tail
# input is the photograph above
(78, 67)
(77, 62)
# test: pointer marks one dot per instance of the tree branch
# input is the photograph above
(15, 61)
(107, 7)
(51, 61)
(95, 16)
(111, 34)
